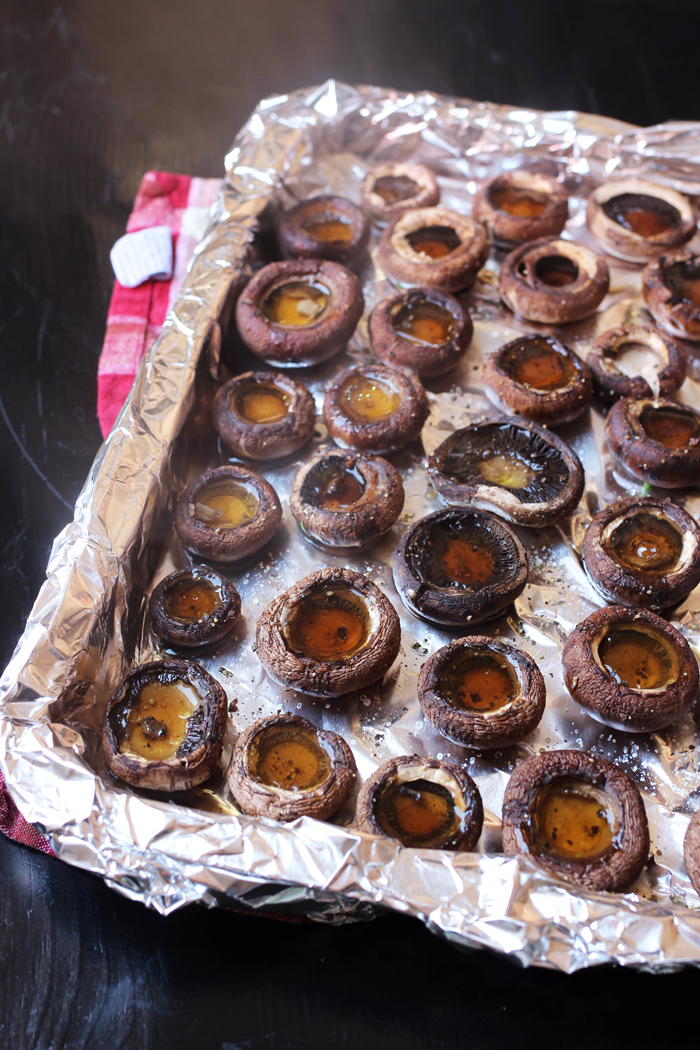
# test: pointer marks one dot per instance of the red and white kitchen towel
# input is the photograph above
(136, 315)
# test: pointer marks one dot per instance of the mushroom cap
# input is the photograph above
(426, 359)
(194, 634)
(676, 315)
(532, 298)
(382, 211)
(625, 243)
(382, 436)
(508, 230)
(407, 267)
(296, 242)
(611, 384)
(264, 440)
(644, 458)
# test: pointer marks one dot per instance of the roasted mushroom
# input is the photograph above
(346, 500)
(643, 552)
(332, 632)
(481, 692)
(691, 850)
(422, 802)
(636, 361)
(520, 470)
(375, 409)
(422, 329)
(538, 377)
(227, 514)
(518, 206)
(294, 314)
(554, 281)
(283, 767)
(459, 567)
(263, 415)
(578, 817)
(657, 441)
(390, 189)
(671, 287)
(323, 227)
(164, 725)
(194, 607)
(433, 248)
(636, 220)
(630, 669)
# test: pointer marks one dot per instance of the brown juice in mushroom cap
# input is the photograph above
(342, 491)
(156, 723)
(642, 214)
(636, 657)
(478, 681)
(392, 188)
(260, 403)
(538, 366)
(645, 543)
(425, 322)
(370, 399)
(524, 204)
(327, 228)
(225, 505)
(572, 820)
(296, 302)
(417, 812)
(670, 428)
(509, 471)
(466, 562)
(290, 758)
(434, 241)
(328, 625)
(556, 270)
(191, 600)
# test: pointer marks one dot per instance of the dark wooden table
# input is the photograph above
(91, 95)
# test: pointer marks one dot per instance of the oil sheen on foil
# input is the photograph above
(88, 625)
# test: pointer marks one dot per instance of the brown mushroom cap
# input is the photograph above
(259, 798)
(296, 346)
(477, 726)
(395, 179)
(628, 431)
(366, 519)
(199, 753)
(427, 359)
(518, 206)
(622, 862)
(295, 230)
(228, 544)
(562, 396)
(624, 579)
(533, 276)
(382, 435)
(610, 204)
(270, 440)
(611, 701)
(189, 633)
(691, 851)
(669, 285)
(425, 585)
(611, 383)
(405, 264)
(411, 769)
(330, 677)
(459, 476)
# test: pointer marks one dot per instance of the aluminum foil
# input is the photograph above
(89, 624)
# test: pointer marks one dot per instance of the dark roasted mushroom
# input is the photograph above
(657, 441)
(481, 692)
(539, 378)
(630, 669)
(346, 500)
(636, 361)
(194, 607)
(227, 514)
(264, 415)
(283, 767)
(390, 189)
(459, 567)
(375, 409)
(433, 248)
(332, 632)
(422, 329)
(554, 281)
(164, 725)
(579, 818)
(520, 470)
(636, 220)
(691, 850)
(422, 802)
(518, 206)
(643, 552)
(323, 227)
(294, 314)
(671, 287)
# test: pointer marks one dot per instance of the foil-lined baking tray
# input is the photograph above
(89, 623)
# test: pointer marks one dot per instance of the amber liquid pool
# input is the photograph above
(296, 303)
(434, 241)
(509, 472)
(670, 428)
(342, 491)
(156, 724)
(191, 600)
(646, 544)
(329, 229)
(538, 366)
(392, 188)
(524, 204)
(418, 813)
(225, 505)
(573, 821)
(425, 322)
(480, 682)
(466, 562)
(369, 399)
(262, 404)
(556, 270)
(640, 659)
(290, 758)
(329, 625)
(642, 214)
